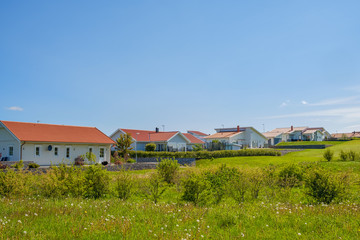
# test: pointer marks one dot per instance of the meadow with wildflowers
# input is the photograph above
(295, 196)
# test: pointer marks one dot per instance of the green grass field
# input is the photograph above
(278, 213)
(310, 143)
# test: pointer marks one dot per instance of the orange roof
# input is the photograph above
(193, 139)
(198, 133)
(39, 132)
(149, 136)
(222, 135)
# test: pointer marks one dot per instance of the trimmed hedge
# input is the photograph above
(207, 154)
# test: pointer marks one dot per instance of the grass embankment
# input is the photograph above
(299, 143)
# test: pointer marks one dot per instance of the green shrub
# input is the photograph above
(197, 147)
(167, 169)
(219, 181)
(130, 160)
(62, 181)
(124, 185)
(352, 155)
(196, 189)
(18, 165)
(290, 176)
(343, 156)
(323, 187)
(96, 182)
(33, 165)
(328, 155)
(154, 187)
(225, 219)
(14, 183)
(256, 182)
(207, 154)
(238, 187)
(150, 147)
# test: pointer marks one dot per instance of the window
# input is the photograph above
(11, 151)
(67, 152)
(37, 151)
(56, 151)
(101, 152)
(90, 150)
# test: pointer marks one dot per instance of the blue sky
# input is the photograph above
(184, 64)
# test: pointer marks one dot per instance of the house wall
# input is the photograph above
(253, 139)
(177, 142)
(7, 140)
(48, 157)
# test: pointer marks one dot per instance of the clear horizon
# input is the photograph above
(185, 65)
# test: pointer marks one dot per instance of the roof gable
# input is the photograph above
(193, 139)
(39, 132)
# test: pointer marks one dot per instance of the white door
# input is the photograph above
(102, 155)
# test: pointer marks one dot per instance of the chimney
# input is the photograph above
(157, 129)
(238, 128)
(292, 128)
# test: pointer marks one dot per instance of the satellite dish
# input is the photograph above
(49, 147)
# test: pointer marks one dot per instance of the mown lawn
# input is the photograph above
(310, 143)
(308, 155)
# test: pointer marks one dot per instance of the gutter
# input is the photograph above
(21, 146)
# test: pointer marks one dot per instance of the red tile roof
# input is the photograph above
(198, 133)
(149, 136)
(193, 139)
(39, 132)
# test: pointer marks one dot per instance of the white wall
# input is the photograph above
(48, 157)
(7, 140)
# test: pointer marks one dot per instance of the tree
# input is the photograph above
(150, 147)
(123, 145)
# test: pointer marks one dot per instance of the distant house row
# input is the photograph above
(296, 134)
(49, 143)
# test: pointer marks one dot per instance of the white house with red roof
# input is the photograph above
(47, 144)
(292, 133)
(238, 138)
(198, 134)
(165, 141)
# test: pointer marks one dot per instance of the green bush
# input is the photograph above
(352, 155)
(328, 155)
(290, 176)
(150, 147)
(196, 189)
(238, 187)
(323, 187)
(33, 165)
(154, 187)
(219, 181)
(96, 182)
(130, 160)
(124, 185)
(14, 183)
(207, 154)
(343, 156)
(19, 165)
(167, 169)
(63, 181)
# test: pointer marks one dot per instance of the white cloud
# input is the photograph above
(344, 115)
(350, 128)
(304, 102)
(353, 88)
(284, 104)
(337, 101)
(15, 108)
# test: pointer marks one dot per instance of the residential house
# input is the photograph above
(238, 138)
(198, 134)
(165, 141)
(296, 134)
(344, 136)
(47, 144)
(193, 141)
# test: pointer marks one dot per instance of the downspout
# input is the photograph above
(21, 146)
